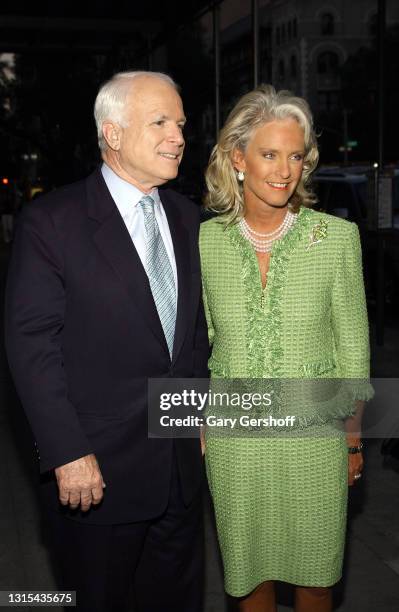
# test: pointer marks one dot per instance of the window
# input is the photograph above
(342, 201)
(295, 27)
(327, 24)
(293, 66)
(281, 70)
(328, 63)
(328, 80)
(278, 35)
(329, 101)
(289, 30)
(373, 25)
(283, 33)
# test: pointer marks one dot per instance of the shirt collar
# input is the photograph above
(125, 195)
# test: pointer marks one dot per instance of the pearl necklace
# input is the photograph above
(263, 243)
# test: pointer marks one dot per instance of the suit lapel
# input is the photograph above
(113, 241)
(181, 247)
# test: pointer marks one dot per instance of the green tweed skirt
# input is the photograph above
(280, 507)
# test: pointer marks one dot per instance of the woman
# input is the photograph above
(284, 297)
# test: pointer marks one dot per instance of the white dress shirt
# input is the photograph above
(126, 197)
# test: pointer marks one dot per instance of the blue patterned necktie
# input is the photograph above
(159, 272)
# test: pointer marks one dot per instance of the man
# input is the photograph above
(104, 293)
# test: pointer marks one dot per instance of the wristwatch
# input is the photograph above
(352, 450)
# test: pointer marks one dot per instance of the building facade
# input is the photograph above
(303, 47)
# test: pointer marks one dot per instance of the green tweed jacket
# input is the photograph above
(311, 319)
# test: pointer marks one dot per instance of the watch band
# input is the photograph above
(352, 450)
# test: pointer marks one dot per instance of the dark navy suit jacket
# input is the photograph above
(83, 336)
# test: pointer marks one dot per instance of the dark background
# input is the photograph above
(64, 50)
(56, 55)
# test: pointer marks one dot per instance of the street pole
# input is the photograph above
(381, 80)
(255, 36)
(380, 314)
(216, 52)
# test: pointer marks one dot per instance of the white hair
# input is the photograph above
(256, 108)
(111, 99)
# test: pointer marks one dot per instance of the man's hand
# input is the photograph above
(80, 483)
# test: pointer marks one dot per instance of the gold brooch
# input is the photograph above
(318, 233)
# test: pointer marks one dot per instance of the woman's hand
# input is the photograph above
(353, 439)
(355, 467)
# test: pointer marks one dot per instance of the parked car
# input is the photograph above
(343, 193)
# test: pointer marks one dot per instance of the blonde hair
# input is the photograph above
(260, 106)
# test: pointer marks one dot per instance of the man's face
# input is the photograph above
(151, 147)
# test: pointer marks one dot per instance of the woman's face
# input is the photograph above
(272, 163)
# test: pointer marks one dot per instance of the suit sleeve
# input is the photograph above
(34, 320)
(349, 316)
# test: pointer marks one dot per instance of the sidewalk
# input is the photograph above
(371, 577)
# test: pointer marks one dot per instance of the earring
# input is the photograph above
(240, 176)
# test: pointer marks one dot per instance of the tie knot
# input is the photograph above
(147, 204)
